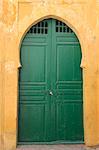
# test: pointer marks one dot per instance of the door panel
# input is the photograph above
(50, 85)
(33, 87)
(34, 60)
(77, 61)
(67, 127)
(33, 112)
(65, 62)
(68, 88)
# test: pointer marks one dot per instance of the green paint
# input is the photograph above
(50, 63)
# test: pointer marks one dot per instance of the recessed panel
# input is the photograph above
(32, 122)
(65, 58)
(77, 62)
(33, 63)
(69, 121)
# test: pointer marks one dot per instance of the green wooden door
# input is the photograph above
(50, 85)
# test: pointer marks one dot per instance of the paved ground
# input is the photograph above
(55, 147)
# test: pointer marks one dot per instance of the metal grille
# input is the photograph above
(39, 28)
(62, 27)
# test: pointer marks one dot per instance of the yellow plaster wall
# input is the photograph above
(16, 17)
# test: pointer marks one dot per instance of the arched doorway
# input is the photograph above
(50, 85)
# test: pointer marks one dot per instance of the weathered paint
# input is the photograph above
(16, 17)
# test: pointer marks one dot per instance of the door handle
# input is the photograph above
(51, 93)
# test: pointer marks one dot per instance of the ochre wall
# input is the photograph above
(16, 17)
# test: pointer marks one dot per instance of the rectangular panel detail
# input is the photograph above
(34, 60)
(32, 92)
(69, 91)
(34, 39)
(67, 38)
(77, 62)
(65, 62)
(68, 62)
(69, 121)
(32, 122)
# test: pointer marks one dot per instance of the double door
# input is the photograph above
(50, 85)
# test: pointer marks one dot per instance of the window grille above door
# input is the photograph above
(42, 27)
(62, 27)
(39, 28)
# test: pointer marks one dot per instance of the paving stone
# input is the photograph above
(56, 147)
(90, 148)
(52, 147)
